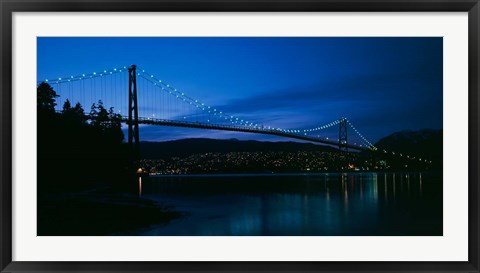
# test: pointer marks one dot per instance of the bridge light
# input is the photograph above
(94, 73)
(151, 76)
(59, 79)
(46, 80)
(104, 71)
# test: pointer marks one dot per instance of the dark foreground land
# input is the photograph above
(96, 213)
(85, 179)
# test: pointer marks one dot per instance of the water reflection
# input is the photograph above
(323, 204)
(420, 183)
(140, 186)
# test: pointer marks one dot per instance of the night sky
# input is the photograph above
(381, 85)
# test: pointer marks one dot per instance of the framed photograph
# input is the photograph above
(239, 136)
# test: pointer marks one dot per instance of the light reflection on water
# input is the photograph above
(323, 204)
(139, 186)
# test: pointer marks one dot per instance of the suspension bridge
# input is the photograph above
(140, 97)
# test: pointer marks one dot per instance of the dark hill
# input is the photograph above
(426, 143)
(185, 147)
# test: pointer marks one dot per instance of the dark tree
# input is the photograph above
(66, 107)
(75, 116)
(46, 98)
(78, 109)
(107, 121)
(79, 113)
(99, 116)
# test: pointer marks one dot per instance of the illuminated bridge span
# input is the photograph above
(141, 98)
(234, 128)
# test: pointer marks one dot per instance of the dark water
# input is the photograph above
(324, 204)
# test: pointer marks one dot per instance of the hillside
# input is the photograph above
(190, 146)
(426, 143)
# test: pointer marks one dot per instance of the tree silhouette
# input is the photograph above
(46, 98)
(75, 115)
(66, 107)
(106, 120)
(79, 113)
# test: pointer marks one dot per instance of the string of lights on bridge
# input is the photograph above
(165, 87)
(235, 120)
(85, 76)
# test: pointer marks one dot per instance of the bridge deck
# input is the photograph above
(257, 130)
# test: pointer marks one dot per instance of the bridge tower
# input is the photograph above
(133, 134)
(342, 135)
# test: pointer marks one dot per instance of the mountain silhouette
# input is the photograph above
(190, 146)
(425, 143)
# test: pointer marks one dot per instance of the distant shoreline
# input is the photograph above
(287, 174)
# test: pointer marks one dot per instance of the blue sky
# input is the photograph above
(381, 85)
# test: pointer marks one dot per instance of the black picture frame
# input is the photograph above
(8, 7)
